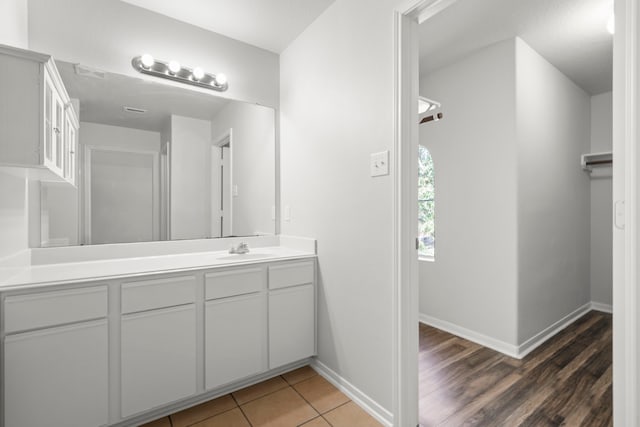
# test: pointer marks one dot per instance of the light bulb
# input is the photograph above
(198, 73)
(611, 23)
(147, 60)
(174, 67)
(221, 79)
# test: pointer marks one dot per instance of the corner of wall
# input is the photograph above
(552, 194)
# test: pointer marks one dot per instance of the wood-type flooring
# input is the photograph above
(564, 382)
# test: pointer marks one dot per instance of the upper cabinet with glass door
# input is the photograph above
(38, 124)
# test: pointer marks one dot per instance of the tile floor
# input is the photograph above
(297, 398)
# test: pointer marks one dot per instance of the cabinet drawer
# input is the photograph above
(158, 293)
(233, 282)
(22, 312)
(291, 274)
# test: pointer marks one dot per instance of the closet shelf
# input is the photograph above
(596, 160)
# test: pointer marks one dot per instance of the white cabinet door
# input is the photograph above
(57, 376)
(158, 358)
(58, 133)
(235, 338)
(291, 325)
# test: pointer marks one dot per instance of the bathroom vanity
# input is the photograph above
(122, 341)
(127, 304)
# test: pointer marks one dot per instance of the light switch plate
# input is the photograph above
(380, 163)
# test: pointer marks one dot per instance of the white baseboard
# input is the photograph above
(538, 339)
(478, 338)
(605, 308)
(511, 350)
(365, 402)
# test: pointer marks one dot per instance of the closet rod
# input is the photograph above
(598, 162)
(431, 118)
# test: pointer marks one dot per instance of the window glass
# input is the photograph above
(426, 204)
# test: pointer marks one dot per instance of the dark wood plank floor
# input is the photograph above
(564, 382)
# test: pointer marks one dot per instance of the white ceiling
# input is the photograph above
(570, 34)
(102, 100)
(269, 24)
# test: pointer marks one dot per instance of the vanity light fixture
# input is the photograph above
(174, 67)
(198, 73)
(172, 70)
(147, 60)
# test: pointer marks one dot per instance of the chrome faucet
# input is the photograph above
(242, 248)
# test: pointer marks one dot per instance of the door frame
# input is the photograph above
(626, 297)
(223, 139)
(626, 99)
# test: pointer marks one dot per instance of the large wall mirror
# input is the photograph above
(161, 162)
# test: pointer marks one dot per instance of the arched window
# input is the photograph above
(426, 204)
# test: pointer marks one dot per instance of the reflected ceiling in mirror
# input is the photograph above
(103, 97)
(161, 162)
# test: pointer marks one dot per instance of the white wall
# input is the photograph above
(14, 23)
(59, 214)
(472, 281)
(165, 197)
(122, 197)
(601, 203)
(13, 213)
(117, 137)
(190, 186)
(253, 168)
(553, 194)
(106, 34)
(512, 203)
(336, 109)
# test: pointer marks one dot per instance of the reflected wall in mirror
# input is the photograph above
(161, 162)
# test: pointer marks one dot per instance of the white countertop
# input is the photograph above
(74, 272)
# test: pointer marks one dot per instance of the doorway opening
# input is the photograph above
(407, 137)
(222, 187)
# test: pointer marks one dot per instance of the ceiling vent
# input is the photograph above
(83, 70)
(134, 110)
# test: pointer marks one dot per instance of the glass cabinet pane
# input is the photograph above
(59, 117)
(48, 123)
(65, 149)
